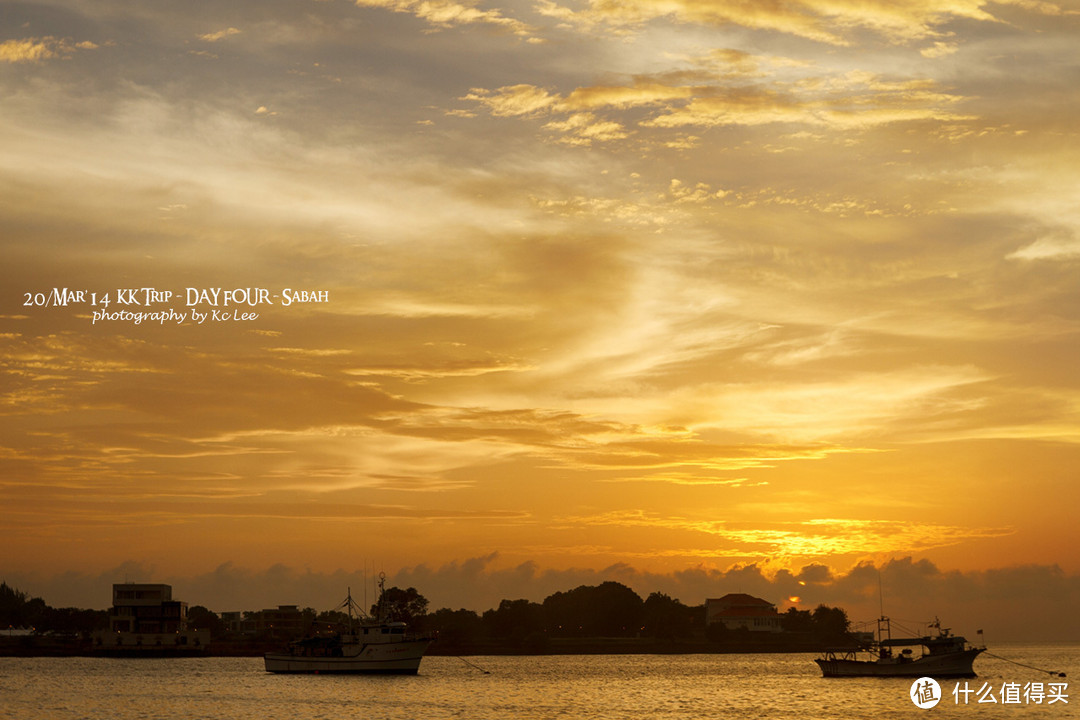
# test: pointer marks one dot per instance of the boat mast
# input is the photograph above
(882, 620)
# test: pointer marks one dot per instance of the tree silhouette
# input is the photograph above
(454, 626)
(610, 609)
(797, 621)
(398, 605)
(665, 617)
(200, 618)
(514, 619)
(830, 622)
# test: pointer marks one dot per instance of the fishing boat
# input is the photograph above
(367, 645)
(943, 655)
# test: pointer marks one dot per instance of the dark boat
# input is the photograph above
(368, 645)
(943, 655)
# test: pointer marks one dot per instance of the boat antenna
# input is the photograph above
(349, 602)
(382, 591)
(882, 620)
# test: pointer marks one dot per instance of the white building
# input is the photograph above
(145, 618)
(739, 610)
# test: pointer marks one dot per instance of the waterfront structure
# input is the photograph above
(739, 610)
(233, 620)
(284, 622)
(144, 618)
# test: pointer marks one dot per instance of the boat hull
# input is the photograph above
(951, 665)
(402, 658)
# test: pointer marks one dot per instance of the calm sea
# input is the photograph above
(657, 687)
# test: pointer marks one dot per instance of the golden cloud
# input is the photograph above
(515, 100)
(817, 537)
(826, 21)
(38, 49)
(644, 93)
(841, 101)
(446, 13)
(583, 128)
(219, 35)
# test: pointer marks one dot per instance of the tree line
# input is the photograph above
(608, 610)
(19, 610)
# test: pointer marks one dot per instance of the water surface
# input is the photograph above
(657, 687)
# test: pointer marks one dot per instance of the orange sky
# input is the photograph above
(646, 287)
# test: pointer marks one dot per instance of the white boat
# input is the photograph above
(368, 645)
(944, 655)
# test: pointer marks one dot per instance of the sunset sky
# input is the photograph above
(673, 292)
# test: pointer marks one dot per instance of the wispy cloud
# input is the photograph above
(34, 50)
(219, 35)
(662, 282)
(826, 22)
(811, 98)
(448, 13)
(814, 538)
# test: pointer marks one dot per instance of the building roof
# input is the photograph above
(741, 600)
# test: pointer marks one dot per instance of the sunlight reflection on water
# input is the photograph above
(664, 687)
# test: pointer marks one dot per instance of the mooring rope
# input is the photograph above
(473, 665)
(1030, 667)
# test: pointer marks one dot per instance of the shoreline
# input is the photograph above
(47, 647)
